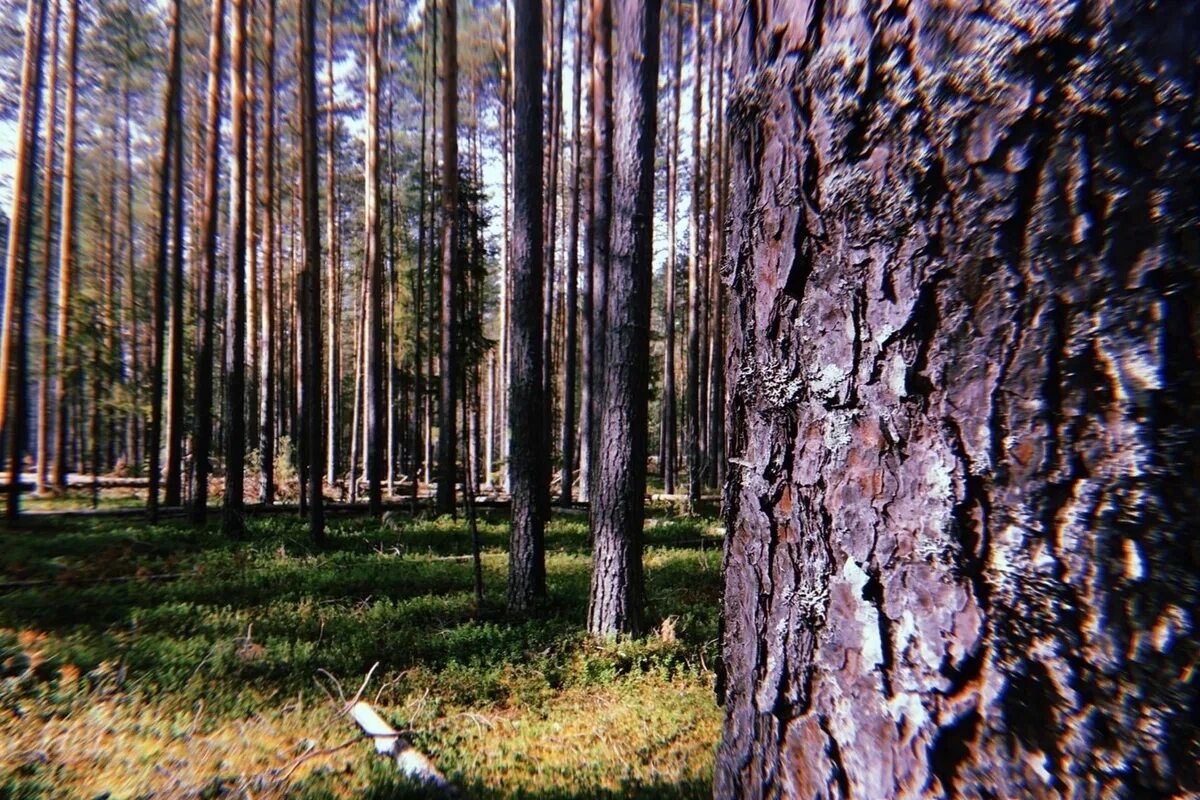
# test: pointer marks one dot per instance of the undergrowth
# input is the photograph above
(166, 661)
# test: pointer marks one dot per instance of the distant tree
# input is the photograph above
(961, 554)
(572, 292)
(66, 250)
(618, 504)
(694, 413)
(670, 456)
(526, 570)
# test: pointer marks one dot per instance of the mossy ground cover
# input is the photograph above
(166, 661)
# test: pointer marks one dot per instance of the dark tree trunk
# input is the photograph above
(527, 569)
(267, 400)
(418, 277)
(596, 277)
(202, 438)
(619, 503)
(572, 292)
(333, 267)
(963, 368)
(232, 522)
(448, 361)
(373, 389)
(66, 251)
(311, 419)
(172, 106)
(173, 485)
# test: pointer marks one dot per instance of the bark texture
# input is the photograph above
(618, 505)
(527, 567)
(963, 342)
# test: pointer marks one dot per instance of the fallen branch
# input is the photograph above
(411, 762)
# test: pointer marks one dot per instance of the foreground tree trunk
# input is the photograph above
(310, 277)
(962, 373)
(527, 569)
(618, 506)
(447, 361)
(373, 388)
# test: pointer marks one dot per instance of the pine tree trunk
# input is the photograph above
(267, 399)
(232, 523)
(527, 570)
(333, 268)
(669, 436)
(202, 437)
(311, 418)
(66, 252)
(373, 388)
(570, 345)
(158, 300)
(961, 511)
(448, 357)
(42, 466)
(618, 507)
(694, 311)
(173, 486)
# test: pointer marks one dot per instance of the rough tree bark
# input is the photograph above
(963, 366)
(618, 507)
(527, 570)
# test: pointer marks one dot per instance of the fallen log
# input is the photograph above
(412, 763)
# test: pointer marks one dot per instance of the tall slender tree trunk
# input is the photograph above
(252, 284)
(504, 346)
(42, 467)
(333, 275)
(596, 277)
(310, 276)
(961, 506)
(670, 439)
(553, 161)
(694, 312)
(448, 361)
(13, 355)
(202, 438)
(267, 399)
(618, 509)
(526, 570)
(419, 273)
(572, 291)
(66, 251)
(172, 106)
(373, 397)
(232, 522)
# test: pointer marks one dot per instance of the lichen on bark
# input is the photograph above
(963, 360)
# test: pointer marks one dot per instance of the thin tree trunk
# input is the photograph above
(568, 425)
(13, 355)
(527, 570)
(554, 159)
(42, 467)
(66, 250)
(617, 510)
(267, 400)
(448, 360)
(310, 288)
(333, 322)
(204, 360)
(232, 522)
(172, 106)
(373, 354)
(252, 230)
(506, 106)
(419, 277)
(670, 439)
(694, 312)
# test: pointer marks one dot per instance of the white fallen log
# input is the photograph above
(411, 762)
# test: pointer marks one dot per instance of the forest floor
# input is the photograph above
(167, 661)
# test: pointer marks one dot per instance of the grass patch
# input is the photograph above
(200, 671)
